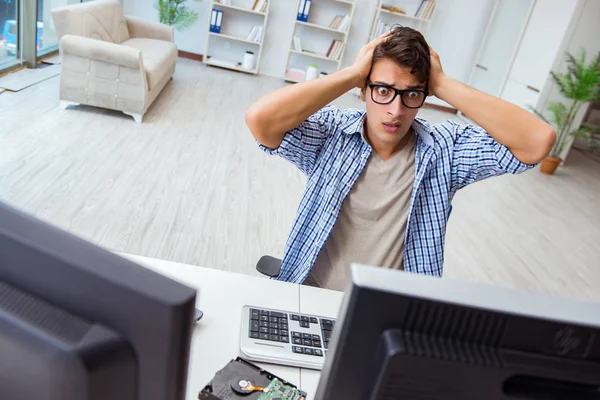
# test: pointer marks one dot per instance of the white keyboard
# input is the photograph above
(282, 337)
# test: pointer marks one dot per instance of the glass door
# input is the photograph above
(47, 39)
(9, 32)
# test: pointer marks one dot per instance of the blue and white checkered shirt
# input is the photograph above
(329, 149)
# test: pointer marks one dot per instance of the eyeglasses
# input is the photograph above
(411, 98)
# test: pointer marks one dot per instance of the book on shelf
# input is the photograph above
(255, 34)
(303, 10)
(260, 6)
(340, 22)
(381, 28)
(425, 10)
(297, 43)
(335, 49)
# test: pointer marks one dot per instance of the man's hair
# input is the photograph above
(408, 48)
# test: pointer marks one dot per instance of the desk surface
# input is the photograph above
(221, 295)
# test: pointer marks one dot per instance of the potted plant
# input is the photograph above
(176, 14)
(579, 85)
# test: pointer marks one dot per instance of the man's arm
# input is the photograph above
(527, 137)
(275, 113)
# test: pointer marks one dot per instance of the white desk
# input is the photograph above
(220, 296)
(321, 302)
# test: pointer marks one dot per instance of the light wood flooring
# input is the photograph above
(190, 185)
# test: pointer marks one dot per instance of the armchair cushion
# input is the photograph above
(100, 51)
(158, 56)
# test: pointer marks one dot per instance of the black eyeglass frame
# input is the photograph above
(398, 92)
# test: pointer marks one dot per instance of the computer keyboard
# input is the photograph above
(286, 338)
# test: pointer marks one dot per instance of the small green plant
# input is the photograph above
(581, 85)
(176, 14)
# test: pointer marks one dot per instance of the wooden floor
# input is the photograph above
(190, 185)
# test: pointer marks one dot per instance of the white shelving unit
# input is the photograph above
(410, 7)
(316, 36)
(227, 48)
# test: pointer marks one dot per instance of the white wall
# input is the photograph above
(583, 32)
(455, 31)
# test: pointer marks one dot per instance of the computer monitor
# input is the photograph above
(80, 323)
(406, 336)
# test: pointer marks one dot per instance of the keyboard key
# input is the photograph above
(317, 352)
(298, 349)
(295, 317)
(308, 351)
(274, 338)
(274, 332)
(297, 341)
(284, 339)
(304, 324)
(264, 312)
(327, 328)
(254, 326)
(283, 332)
(263, 323)
(273, 325)
(316, 343)
(297, 335)
(304, 318)
(278, 314)
(306, 336)
(263, 336)
(264, 318)
(283, 326)
(326, 334)
(315, 337)
(326, 322)
(307, 342)
(254, 335)
(254, 314)
(313, 320)
(274, 319)
(264, 330)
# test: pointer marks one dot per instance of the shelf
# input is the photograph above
(313, 55)
(220, 65)
(384, 11)
(224, 36)
(325, 28)
(243, 9)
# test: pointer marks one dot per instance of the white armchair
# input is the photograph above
(112, 61)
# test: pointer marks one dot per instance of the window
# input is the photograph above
(9, 32)
(47, 39)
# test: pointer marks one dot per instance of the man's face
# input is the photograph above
(387, 124)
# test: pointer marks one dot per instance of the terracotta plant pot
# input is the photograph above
(549, 165)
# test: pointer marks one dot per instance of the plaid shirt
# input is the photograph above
(329, 149)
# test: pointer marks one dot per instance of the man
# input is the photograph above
(380, 182)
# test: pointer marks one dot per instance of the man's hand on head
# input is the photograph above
(362, 65)
(436, 73)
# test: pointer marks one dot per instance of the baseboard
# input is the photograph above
(451, 110)
(191, 56)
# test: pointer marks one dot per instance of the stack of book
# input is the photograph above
(381, 29)
(255, 34)
(425, 10)
(340, 22)
(259, 6)
(335, 49)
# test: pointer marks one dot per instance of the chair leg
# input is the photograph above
(136, 117)
(64, 104)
